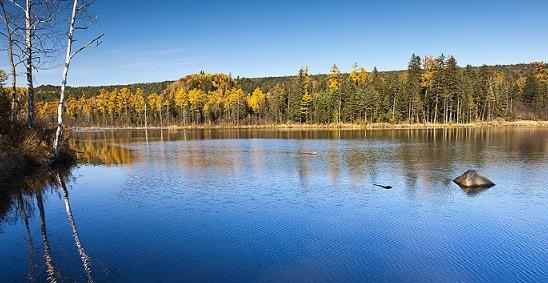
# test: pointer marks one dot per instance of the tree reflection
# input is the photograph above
(19, 195)
(53, 275)
(81, 251)
(104, 154)
(23, 210)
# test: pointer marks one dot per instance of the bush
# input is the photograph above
(24, 149)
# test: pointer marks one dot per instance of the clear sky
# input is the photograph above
(160, 40)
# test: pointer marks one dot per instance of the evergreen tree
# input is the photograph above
(452, 94)
(334, 84)
(413, 87)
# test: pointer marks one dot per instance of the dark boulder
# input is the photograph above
(473, 179)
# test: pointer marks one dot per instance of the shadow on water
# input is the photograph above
(473, 191)
(18, 202)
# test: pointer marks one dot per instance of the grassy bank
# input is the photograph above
(521, 123)
(24, 149)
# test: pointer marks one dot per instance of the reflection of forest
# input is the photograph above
(104, 154)
(19, 202)
(425, 157)
(415, 150)
(519, 141)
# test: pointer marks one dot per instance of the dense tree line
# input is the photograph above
(431, 90)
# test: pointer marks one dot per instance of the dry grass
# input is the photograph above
(24, 149)
(297, 126)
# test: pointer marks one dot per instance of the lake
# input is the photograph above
(284, 206)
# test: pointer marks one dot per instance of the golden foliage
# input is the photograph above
(257, 100)
(335, 79)
(358, 75)
(430, 68)
(520, 85)
(541, 72)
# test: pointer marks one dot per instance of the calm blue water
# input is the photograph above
(256, 205)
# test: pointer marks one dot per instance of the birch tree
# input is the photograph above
(40, 39)
(77, 10)
(10, 34)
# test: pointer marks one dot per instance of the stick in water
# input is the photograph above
(384, 187)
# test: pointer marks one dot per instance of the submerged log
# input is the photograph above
(382, 186)
(473, 179)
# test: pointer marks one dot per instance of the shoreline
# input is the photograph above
(343, 126)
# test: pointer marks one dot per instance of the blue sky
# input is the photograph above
(163, 40)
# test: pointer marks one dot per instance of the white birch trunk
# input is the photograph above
(28, 58)
(68, 57)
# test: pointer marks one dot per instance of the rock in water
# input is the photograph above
(473, 179)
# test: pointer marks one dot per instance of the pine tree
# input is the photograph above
(453, 89)
(413, 86)
(334, 84)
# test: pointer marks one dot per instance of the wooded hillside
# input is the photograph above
(432, 89)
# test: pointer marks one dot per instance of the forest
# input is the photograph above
(431, 90)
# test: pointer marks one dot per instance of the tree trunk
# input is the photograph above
(28, 58)
(161, 123)
(488, 110)
(445, 114)
(11, 62)
(146, 124)
(68, 57)
(394, 109)
(436, 109)
(340, 104)
(458, 109)
(409, 112)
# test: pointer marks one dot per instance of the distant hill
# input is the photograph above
(50, 92)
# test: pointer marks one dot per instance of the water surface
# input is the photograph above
(282, 206)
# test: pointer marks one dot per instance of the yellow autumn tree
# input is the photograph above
(306, 102)
(520, 85)
(257, 101)
(87, 106)
(113, 104)
(182, 103)
(335, 79)
(235, 104)
(197, 100)
(157, 104)
(102, 101)
(541, 73)
(124, 100)
(213, 107)
(137, 102)
(358, 75)
(430, 67)
(181, 98)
